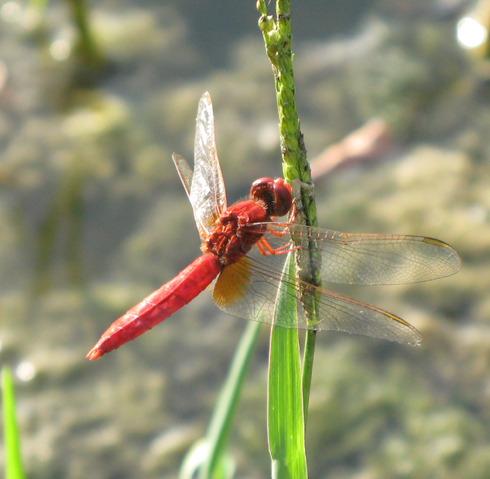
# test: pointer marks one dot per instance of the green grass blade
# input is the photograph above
(210, 454)
(222, 419)
(198, 454)
(13, 460)
(285, 400)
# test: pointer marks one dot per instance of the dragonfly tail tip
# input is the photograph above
(94, 354)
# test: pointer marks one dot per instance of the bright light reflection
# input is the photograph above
(60, 50)
(470, 33)
(25, 371)
(10, 12)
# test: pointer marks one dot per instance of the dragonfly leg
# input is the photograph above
(266, 249)
(291, 219)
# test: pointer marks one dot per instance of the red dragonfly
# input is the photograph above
(246, 251)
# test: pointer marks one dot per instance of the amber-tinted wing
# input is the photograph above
(249, 288)
(204, 186)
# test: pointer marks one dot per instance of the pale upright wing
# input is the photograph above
(184, 171)
(369, 258)
(207, 192)
(249, 289)
(185, 174)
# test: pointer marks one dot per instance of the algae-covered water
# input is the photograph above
(93, 217)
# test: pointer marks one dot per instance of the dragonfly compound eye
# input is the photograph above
(283, 198)
(276, 194)
(263, 190)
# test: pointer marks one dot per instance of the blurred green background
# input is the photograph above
(93, 218)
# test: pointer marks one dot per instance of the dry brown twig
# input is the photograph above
(370, 142)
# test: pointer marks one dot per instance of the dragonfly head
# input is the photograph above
(274, 194)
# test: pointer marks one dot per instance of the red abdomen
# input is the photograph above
(159, 305)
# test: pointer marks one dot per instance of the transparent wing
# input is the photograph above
(207, 191)
(249, 289)
(204, 186)
(184, 171)
(185, 174)
(369, 258)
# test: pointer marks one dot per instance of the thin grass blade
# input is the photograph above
(13, 460)
(285, 400)
(211, 456)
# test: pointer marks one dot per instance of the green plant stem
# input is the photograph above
(277, 37)
(308, 356)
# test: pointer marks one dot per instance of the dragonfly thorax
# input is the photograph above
(236, 231)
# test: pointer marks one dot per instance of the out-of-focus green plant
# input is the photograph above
(209, 455)
(86, 46)
(13, 459)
